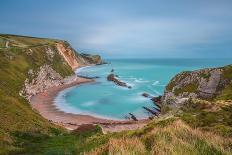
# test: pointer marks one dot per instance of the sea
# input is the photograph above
(104, 99)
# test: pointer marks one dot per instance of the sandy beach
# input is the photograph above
(44, 104)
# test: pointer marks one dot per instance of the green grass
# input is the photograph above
(66, 143)
(190, 88)
(226, 93)
(227, 73)
(176, 79)
(25, 41)
(167, 136)
(208, 116)
(204, 75)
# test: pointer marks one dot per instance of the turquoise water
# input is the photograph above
(106, 100)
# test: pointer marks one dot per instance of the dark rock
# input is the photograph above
(157, 99)
(127, 117)
(157, 109)
(87, 77)
(145, 95)
(111, 77)
(158, 105)
(153, 112)
(112, 70)
(150, 118)
(133, 117)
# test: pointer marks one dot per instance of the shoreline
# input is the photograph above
(44, 104)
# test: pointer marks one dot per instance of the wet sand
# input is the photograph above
(44, 104)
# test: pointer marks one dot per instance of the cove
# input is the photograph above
(104, 99)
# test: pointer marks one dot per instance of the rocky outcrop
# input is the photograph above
(93, 59)
(146, 95)
(203, 84)
(69, 55)
(40, 81)
(49, 74)
(112, 77)
(75, 59)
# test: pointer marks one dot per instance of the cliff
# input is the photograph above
(92, 59)
(207, 84)
(57, 61)
(29, 65)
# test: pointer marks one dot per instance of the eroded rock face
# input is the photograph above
(92, 59)
(68, 54)
(203, 84)
(50, 53)
(208, 87)
(76, 60)
(45, 78)
(40, 81)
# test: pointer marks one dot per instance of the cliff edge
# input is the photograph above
(207, 84)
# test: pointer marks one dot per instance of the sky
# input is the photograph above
(127, 28)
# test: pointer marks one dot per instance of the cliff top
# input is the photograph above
(8, 40)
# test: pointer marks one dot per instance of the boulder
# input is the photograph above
(133, 117)
(146, 95)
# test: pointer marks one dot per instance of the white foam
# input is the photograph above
(153, 90)
(141, 81)
(90, 103)
(155, 83)
(78, 70)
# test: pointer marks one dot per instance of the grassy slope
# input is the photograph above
(17, 119)
(200, 127)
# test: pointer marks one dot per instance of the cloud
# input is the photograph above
(155, 34)
(122, 28)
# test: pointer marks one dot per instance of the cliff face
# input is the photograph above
(75, 59)
(30, 65)
(209, 84)
(92, 59)
(68, 55)
(60, 60)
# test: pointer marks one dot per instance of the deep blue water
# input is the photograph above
(107, 100)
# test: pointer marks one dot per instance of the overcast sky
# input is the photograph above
(127, 28)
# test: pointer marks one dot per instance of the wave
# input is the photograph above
(136, 80)
(153, 90)
(88, 104)
(155, 83)
(78, 70)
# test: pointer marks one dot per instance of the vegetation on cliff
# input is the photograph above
(21, 56)
(209, 84)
